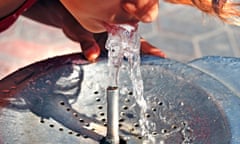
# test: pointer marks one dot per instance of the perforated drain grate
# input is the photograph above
(67, 104)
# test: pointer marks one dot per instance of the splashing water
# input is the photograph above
(124, 42)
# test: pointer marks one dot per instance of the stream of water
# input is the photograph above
(124, 42)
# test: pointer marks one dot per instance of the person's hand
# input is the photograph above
(93, 45)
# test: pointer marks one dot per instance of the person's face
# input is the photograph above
(93, 15)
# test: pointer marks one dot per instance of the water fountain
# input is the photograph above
(63, 100)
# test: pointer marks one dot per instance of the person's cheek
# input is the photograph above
(145, 12)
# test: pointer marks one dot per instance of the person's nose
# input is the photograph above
(142, 10)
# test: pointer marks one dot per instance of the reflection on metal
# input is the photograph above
(63, 100)
(224, 69)
(112, 116)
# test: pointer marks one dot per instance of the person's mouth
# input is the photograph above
(109, 27)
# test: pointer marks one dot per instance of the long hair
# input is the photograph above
(224, 9)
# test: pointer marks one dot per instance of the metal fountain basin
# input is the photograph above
(63, 100)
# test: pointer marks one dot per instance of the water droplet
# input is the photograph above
(124, 91)
(161, 142)
(181, 103)
(48, 82)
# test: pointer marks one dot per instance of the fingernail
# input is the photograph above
(146, 19)
(91, 54)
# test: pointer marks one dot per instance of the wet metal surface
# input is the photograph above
(224, 69)
(62, 100)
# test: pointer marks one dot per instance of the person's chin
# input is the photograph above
(96, 28)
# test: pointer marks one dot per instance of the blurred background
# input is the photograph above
(182, 32)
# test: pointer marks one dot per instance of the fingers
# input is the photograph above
(94, 46)
(101, 39)
(147, 48)
(90, 49)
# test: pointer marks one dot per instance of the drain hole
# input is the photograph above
(140, 137)
(78, 135)
(127, 100)
(102, 114)
(154, 109)
(103, 120)
(132, 129)
(41, 121)
(60, 129)
(122, 113)
(160, 103)
(125, 107)
(147, 115)
(81, 120)
(75, 114)
(98, 99)
(87, 124)
(130, 93)
(62, 103)
(68, 109)
(112, 50)
(154, 133)
(100, 107)
(121, 120)
(120, 125)
(70, 133)
(136, 125)
(96, 92)
(164, 131)
(85, 136)
(174, 126)
(51, 125)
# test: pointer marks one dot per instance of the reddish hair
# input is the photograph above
(224, 9)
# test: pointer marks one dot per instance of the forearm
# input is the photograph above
(9, 6)
(50, 12)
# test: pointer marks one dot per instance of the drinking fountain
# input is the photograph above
(64, 100)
